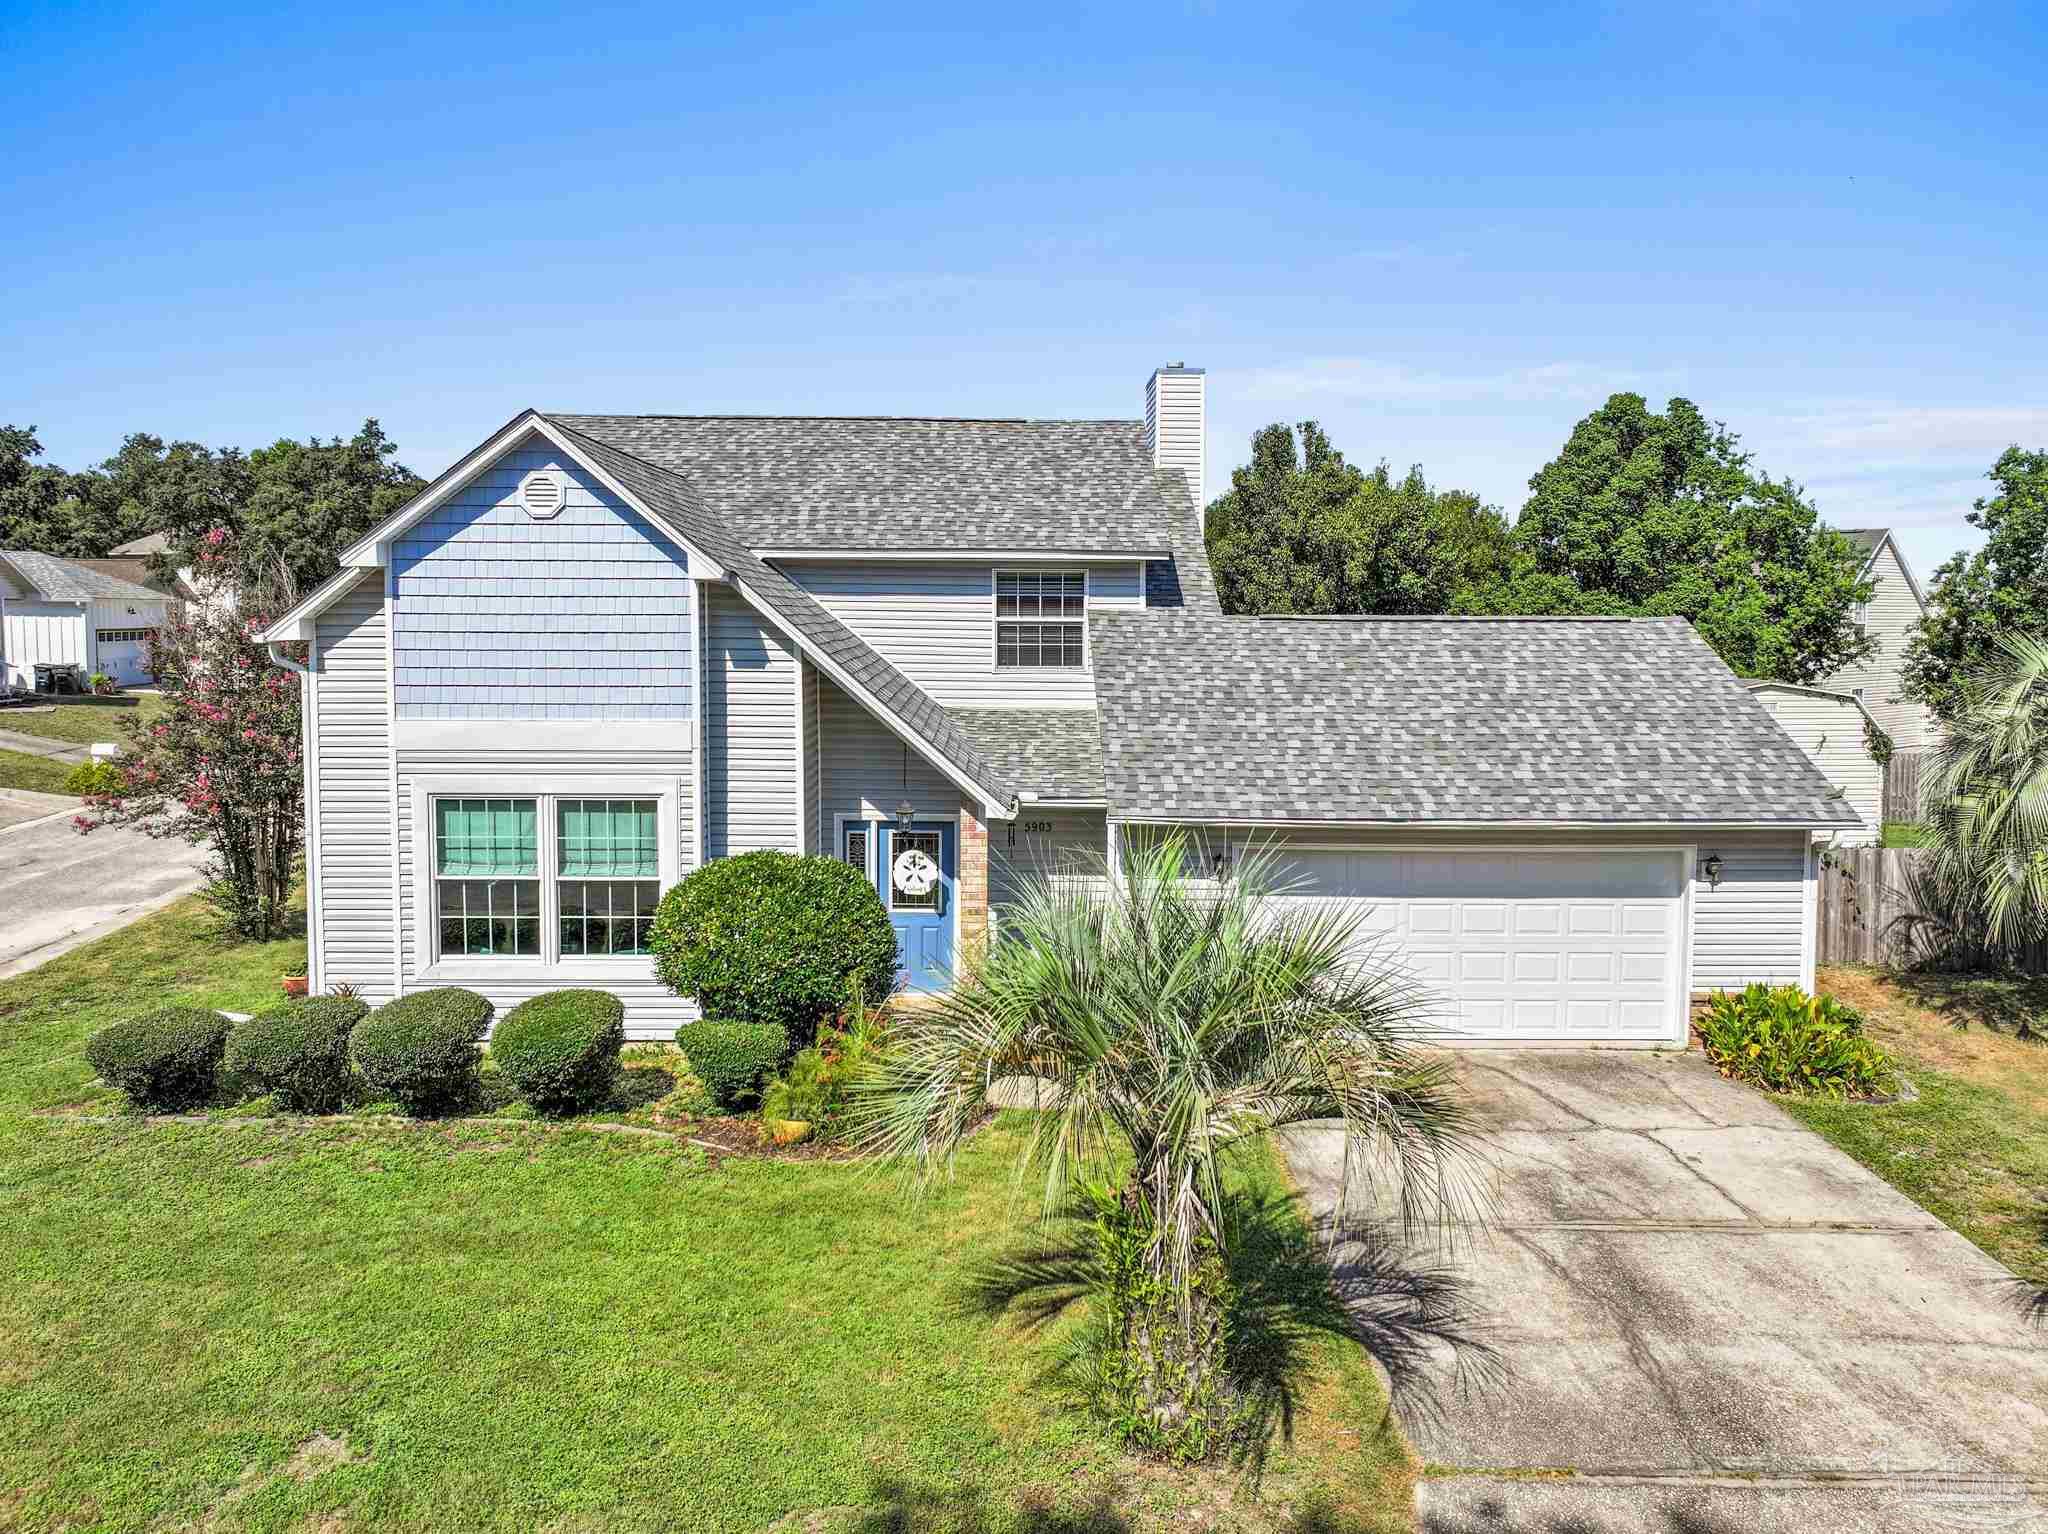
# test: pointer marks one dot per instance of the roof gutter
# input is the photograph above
(1196, 818)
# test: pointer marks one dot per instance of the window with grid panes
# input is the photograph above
(608, 862)
(1041, 617)
(487, 877)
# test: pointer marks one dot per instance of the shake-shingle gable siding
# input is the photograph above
(502, 615)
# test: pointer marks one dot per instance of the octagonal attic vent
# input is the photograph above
(542, 493)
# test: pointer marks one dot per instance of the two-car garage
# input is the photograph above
(1522, 945)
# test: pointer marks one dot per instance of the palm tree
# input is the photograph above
(1987, 802)
(1171, 1019)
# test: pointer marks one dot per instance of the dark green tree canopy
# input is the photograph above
(292, 506)
(1665, 516)
(2002, 588)
(1302, 531)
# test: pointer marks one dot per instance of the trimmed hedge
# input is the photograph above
(774, 938)
(298, 1053)
(167, 1059)
(731, 1058)
(561, 1049)
(421, 1049)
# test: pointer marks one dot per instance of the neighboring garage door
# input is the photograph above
(124, 654)
(1526, 946)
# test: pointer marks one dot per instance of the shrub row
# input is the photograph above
(560, 1051)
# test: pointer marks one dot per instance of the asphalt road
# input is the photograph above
(57, 888)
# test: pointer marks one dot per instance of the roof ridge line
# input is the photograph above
(941, 420)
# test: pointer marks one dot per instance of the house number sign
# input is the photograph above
(914, 871)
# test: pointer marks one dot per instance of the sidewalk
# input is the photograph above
(36, 745)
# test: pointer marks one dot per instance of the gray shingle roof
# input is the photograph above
(674, 498)
(71, 580)
(1441, 719)
(1055, 753)
(147, 544)
(895, 482)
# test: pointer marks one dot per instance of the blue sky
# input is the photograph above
(1446, 232)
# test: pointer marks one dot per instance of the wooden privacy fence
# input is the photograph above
(1863, 892)
(1902, 785)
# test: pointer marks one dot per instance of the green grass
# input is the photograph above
(83, 720)
(1973, 1151)
(20, 769)
(500, 1327)
(1904, 833)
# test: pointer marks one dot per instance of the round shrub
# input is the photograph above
(731, 1058)
(561, 1049)
(774, 938)
(167, 1059)
(298, 1053)
(421, 1049)
(94, 777)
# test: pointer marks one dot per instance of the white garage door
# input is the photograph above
(1525, 946)
(124, 654)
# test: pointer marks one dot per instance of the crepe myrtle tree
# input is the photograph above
(221, 764)
(1171, 1019)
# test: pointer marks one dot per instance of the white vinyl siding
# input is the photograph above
(1753, 926)
(1175, 421)
(1039, 844)
(351, 863)
(865, 771)
(750, 731)
(817, 836)
(42, 633)
(936, 623)
(1889, 618)
(1830, 731)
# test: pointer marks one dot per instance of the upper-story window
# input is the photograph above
(1041, 618)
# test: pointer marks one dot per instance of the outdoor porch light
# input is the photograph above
(906, 814)
(1710, 868)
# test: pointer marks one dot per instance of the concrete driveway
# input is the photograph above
(1705, 1318)
(59, 889)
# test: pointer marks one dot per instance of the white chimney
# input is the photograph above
(1177, 424)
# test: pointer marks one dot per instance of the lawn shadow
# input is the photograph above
(1295, 1289)
(899, 1507)
(639, 1086)
(2016, 1005)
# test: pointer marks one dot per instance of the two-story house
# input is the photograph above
(1894, 610)
(604, 649)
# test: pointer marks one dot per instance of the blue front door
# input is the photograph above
(915, 872)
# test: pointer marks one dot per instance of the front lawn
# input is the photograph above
(82, 720)
(1973, 1150)
(304, 1323)
(1905, 833)
(22, 769)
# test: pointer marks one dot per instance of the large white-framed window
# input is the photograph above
(1041, 620)
(540, 875)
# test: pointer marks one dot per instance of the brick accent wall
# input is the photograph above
(973, 893)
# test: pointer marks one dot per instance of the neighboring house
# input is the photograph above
(73, 612)
(1830, 728)
(1895, 607)
(603, 649)
(187, 585)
